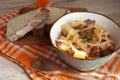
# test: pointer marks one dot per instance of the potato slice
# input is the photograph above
(80, 54)
(65, 29)
(63, 45)
(71, 34)
(78, 23)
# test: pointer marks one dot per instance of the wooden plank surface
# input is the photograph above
(12, 71)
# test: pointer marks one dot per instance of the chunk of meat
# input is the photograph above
(94, 30)
(107, 48)
(89, 22)
(95, 51)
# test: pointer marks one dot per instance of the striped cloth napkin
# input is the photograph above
(24, 55)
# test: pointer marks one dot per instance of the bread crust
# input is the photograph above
(41, 16)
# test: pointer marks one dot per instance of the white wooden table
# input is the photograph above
(12, 71)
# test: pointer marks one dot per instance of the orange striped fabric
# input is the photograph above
(25, 54)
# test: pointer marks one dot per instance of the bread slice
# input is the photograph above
(22, 24)
(54, 15)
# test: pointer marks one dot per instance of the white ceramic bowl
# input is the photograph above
(86, 65)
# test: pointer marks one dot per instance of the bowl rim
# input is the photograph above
(112, 54)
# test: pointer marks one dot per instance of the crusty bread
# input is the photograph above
(54, 15)
(22, 24)
(19, 22)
